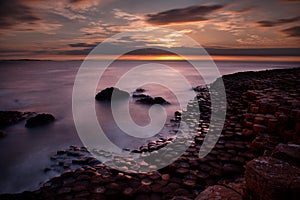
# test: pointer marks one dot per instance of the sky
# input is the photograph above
(70, 29)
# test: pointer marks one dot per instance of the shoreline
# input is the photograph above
(263, 111)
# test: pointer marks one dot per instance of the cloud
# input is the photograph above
(78, 52)
(70, 9)
(293, 31)
(83, 4)
(150, 51)
(195, 51)
(19, 16)
(246, 10)
(124, 15)
(13, 12)
(278, 22)
(182, 15)
(255, 51)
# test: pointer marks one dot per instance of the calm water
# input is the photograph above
(46, 86)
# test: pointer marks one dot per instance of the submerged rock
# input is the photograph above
(39, 120)
(106, 94)
(134, 95)
(8, 118)
(150, 101)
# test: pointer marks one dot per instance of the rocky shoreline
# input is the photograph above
(256, 156)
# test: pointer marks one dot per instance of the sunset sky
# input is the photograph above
(70, 29)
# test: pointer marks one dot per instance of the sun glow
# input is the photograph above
(168, 57)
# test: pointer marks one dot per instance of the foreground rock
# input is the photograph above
(39, 120)
(151, 101)
(288, 152)
(219, 192)
(106, 94)
(274, 177)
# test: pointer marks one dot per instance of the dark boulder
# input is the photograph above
(106, 94)
(288, 152)
(150, 101)
(39, 120)
(271, 178)
(134, 95)
(140, 90)
(201, 88)
(8, 118)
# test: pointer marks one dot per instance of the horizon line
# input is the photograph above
(247, 58)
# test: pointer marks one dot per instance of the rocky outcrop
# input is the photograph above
(146, 99)
(139, 90)
(138, 95)
(150, 101)
(39, 120)
(261, 113)
(8, 118)
(106, 94)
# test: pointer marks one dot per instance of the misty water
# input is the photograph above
(46, 87)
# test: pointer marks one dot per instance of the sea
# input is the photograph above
(47, 87)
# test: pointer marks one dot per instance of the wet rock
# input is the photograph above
(189, 182)
(181, 198)
(150, 101)
(272, 126)
(79, 187)
(146, 182)
(200, 88)
(182, 170)
(106, 94)
(128, 191)
(100, 190)
(231, 169)
(83, 194)
(165, 177)
(46, 169)
(182, 192)
(64, 190)
(257, 128)
(259, 120)
(39, 120)
(177, 115)
(247, 133)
